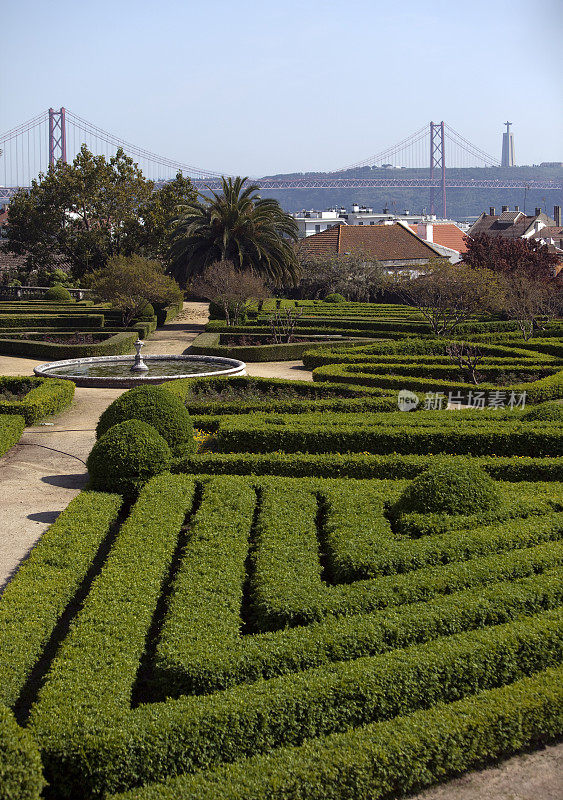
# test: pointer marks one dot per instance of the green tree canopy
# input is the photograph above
(236, 225)
(88, 211)
(129, 283)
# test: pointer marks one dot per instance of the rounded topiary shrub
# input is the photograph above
(157, 406)
(147, 313)
(545, 412)
(58, 294)
(449, 488)
(335, 297)
(125, 457)
(21, 774)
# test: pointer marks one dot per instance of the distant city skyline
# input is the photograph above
(263, 88)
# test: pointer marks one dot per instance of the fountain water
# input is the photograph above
(121, 372)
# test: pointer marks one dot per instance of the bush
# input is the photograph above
(21, 774)
(159, 408)
(445, 488)
(11, 428)
(391, 758)
(147, 313)
(45, 396)
(335, 297)
(125, 457)
(58, 293)
(548, 412)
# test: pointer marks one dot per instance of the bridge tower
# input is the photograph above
(437, 162)
(57, 136)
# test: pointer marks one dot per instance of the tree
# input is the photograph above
(510, 255)
(531, 302)
(80, 211)
(130, 282)
(147, 233)
(447, 294)
(230, 288)
(238, 226)
(356, 276)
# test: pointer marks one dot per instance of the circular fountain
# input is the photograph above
(123, 372)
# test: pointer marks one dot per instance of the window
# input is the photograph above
(317, 228)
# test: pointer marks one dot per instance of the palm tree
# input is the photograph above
(236, 225)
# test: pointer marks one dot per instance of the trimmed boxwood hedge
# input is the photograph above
(21, 774)
(391, 758)
(11, 428)
(46, 396)
(34, 600)
(359, 465)
(126, 457)
(116, 345)
(208, 344)
(159, 408)
(29, 321)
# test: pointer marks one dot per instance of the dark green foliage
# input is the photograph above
(124, 458)
(159, 408)
(21, 773)
(55, 320)
(147, 312)
(45, 396)
(58, 293)
(445, 488)
(209, 344)
(335, 297)
(116, 345)
(388, 759)
(45, 583)
(354, 465)
(545, 412)
(11, 428)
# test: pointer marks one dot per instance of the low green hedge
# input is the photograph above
(388, 759)
(45, 583)
(21, 773)
(47, 396)
(32, 321)
(11, 428)
(113, 748)
(119, 344)
(547, 388)
(208, 344)
(253, 434)
(355, 465)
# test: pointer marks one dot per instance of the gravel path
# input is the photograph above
(41, 475)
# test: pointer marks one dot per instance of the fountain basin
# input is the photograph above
(115, 371)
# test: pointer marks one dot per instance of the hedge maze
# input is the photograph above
(287, 622)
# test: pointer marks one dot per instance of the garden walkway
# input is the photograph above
(46, 469)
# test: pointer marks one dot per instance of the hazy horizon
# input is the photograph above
(262, 88)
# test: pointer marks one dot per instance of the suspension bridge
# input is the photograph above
(31, 148)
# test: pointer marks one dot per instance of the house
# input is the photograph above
(514, 224)
(396, 247)
(446, 237)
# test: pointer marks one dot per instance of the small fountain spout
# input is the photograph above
(139, 365)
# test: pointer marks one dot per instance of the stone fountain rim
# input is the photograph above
(233, 367)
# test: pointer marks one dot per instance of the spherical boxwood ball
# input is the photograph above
(58, 293)
(125, 457)
(157, 406)
(446, 488)
(335, 297)
(147, 313)
(545, 412)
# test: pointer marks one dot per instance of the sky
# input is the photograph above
(256, 87)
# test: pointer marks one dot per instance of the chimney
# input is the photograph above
(538, 212)
(426, 231)
(504, 208)
(517, 208)
(557, 215)
(492, 211)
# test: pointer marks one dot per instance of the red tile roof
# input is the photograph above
(448, 235)
(383, 242)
